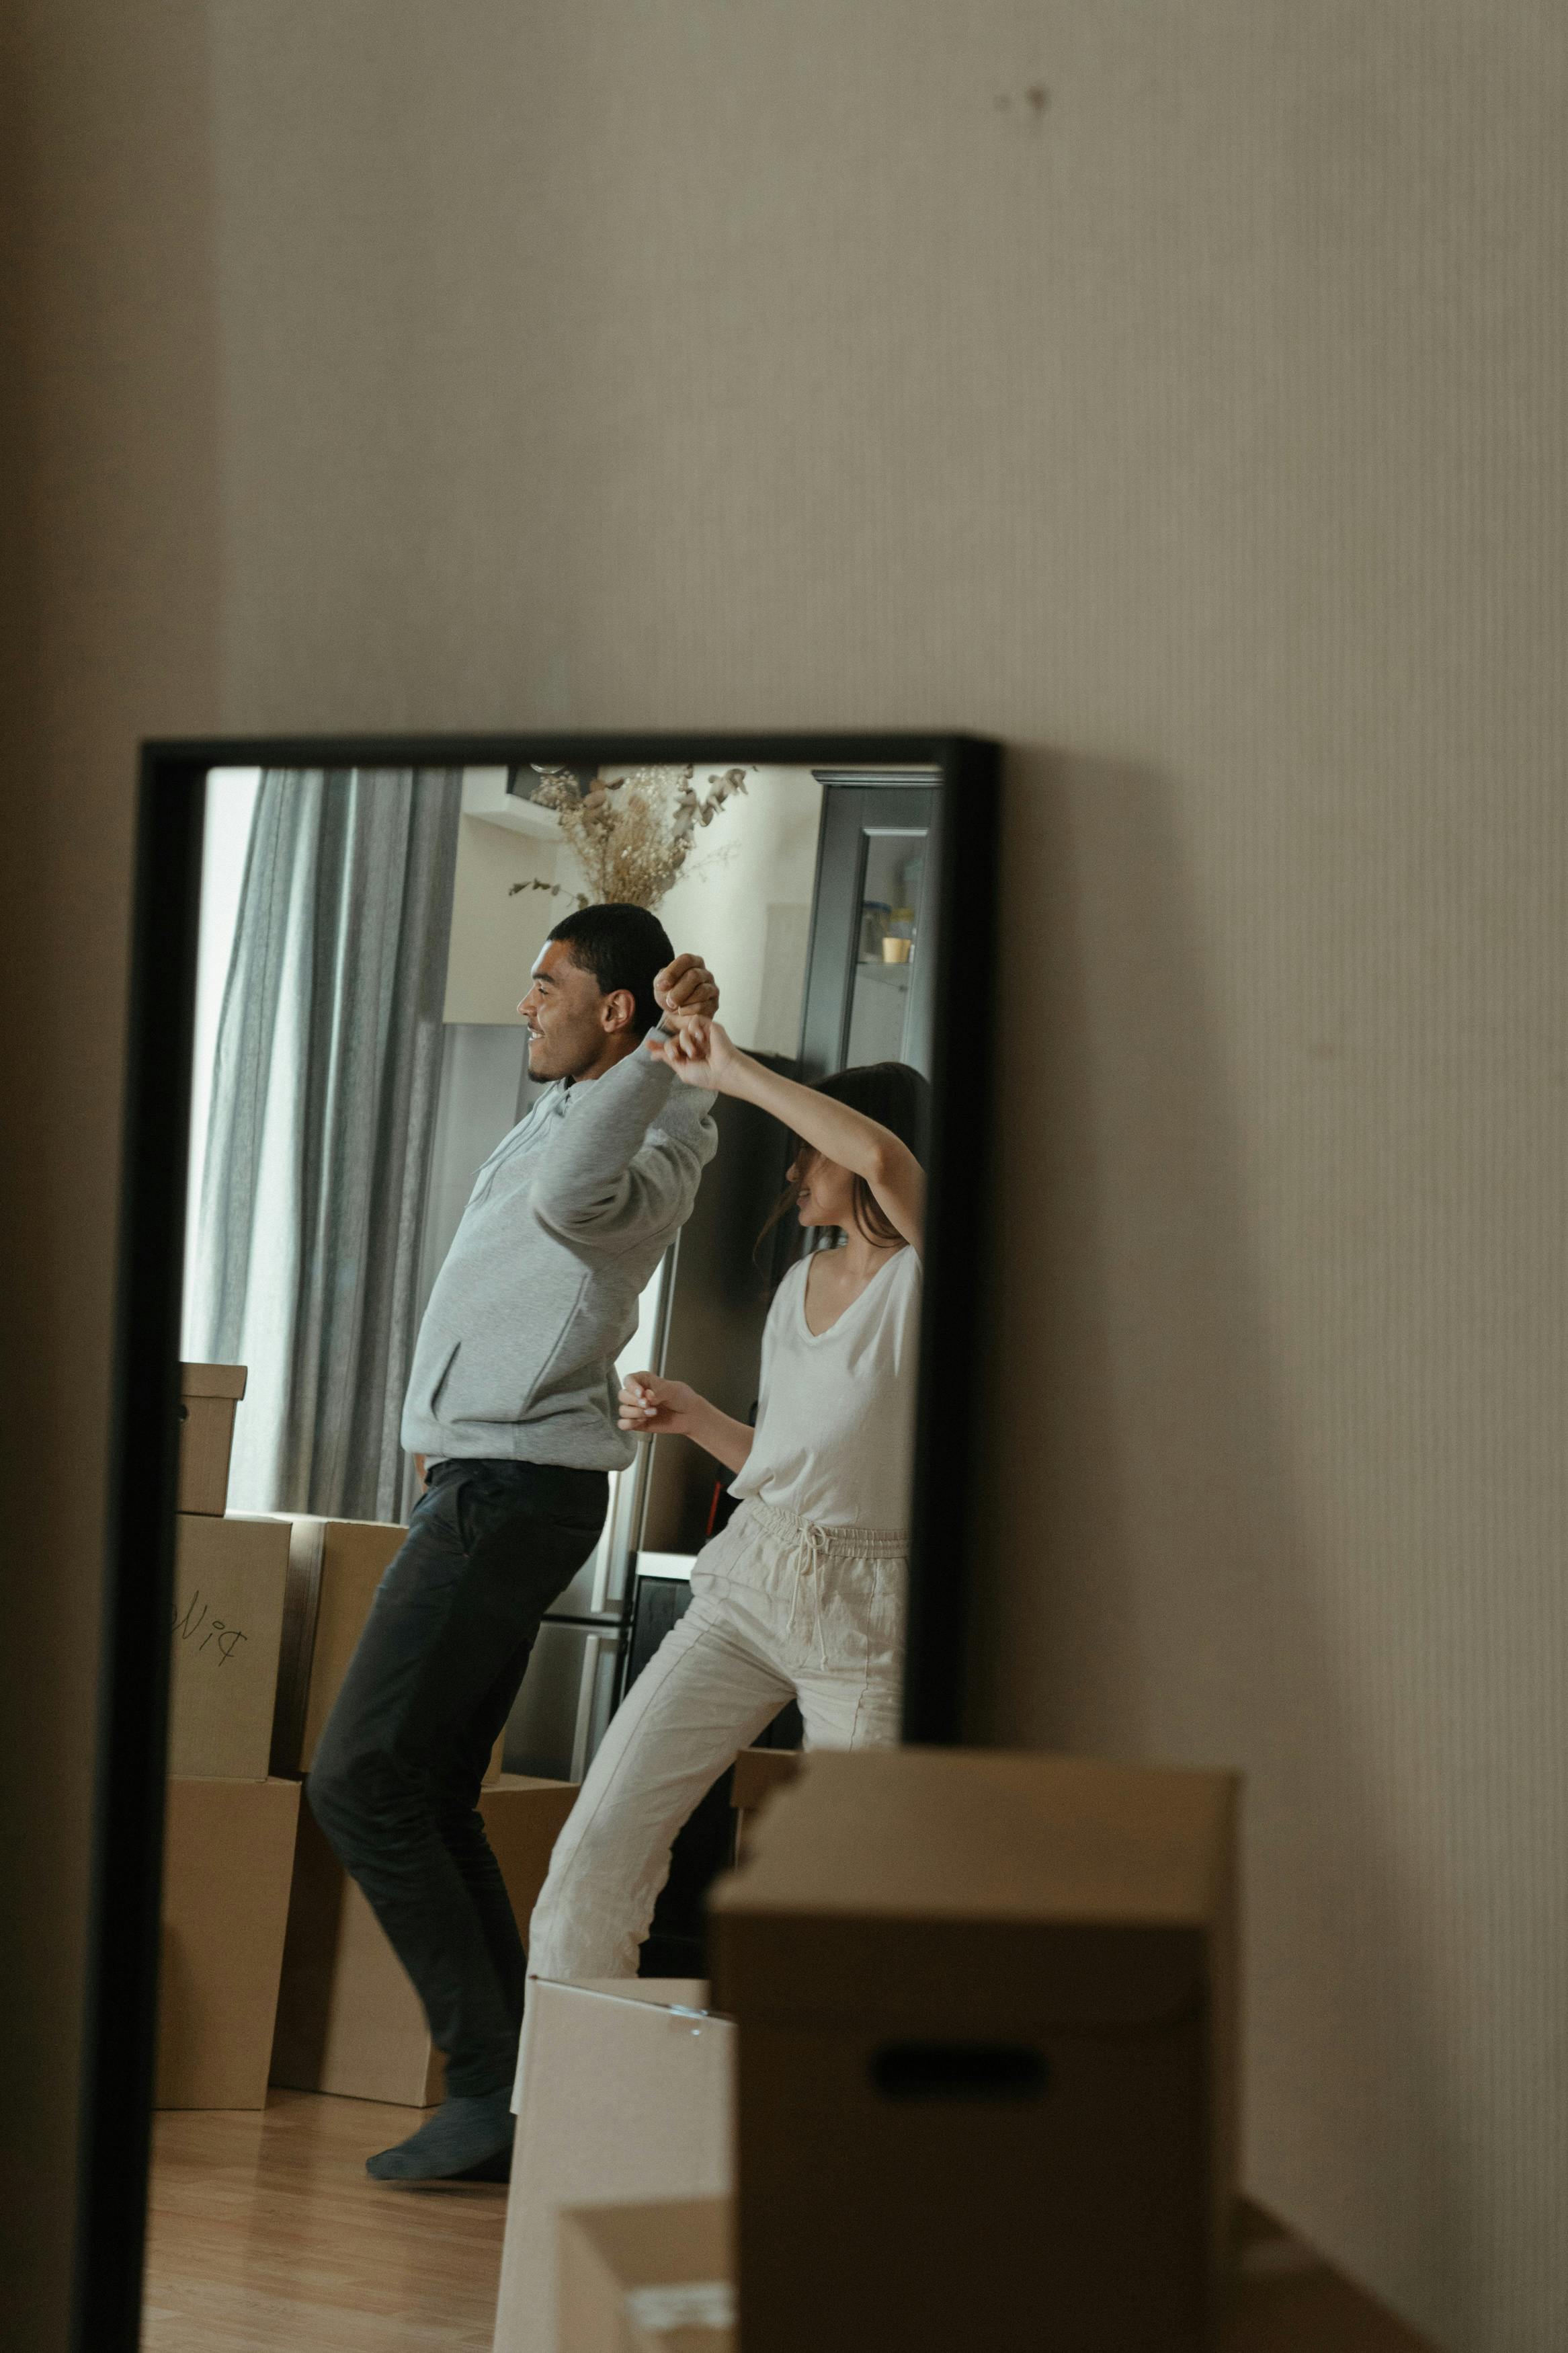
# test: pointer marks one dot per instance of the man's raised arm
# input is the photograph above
(630, 1158)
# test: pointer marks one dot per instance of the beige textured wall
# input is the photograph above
(1196, 425)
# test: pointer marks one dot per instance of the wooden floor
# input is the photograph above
(269, 2236)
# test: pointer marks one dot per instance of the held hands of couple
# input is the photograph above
(700, 1052)
(696, 1049)
(650, 1405)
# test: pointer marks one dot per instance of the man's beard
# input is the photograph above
(548, 1061)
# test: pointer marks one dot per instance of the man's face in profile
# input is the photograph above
(570, 1021)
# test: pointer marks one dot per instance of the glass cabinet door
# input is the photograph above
(882, 1005)
(867, 987)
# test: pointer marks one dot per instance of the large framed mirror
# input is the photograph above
(550, 1289)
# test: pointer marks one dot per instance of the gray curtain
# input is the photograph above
(323, 1108)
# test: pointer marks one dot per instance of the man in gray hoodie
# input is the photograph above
(512, 1405)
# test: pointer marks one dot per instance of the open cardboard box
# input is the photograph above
(647, 2279)
(624, 2094)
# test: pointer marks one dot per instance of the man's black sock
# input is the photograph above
(463, 2133)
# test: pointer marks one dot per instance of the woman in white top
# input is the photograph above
(802, 1596)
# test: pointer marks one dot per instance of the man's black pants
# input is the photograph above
(396, 1776)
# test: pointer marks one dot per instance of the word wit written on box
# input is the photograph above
(230, 1575)
(196, 1623)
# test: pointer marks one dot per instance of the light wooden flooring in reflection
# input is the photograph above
(267, 2235)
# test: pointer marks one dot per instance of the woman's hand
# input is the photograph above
(651, 1406)
(700, 1052)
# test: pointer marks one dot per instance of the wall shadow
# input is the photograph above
(113, 420)
(1155, 1592)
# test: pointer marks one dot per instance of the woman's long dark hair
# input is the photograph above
(895, 1096)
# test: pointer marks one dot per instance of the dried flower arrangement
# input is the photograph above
(631, 835)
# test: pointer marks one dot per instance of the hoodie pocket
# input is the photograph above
(573, 1326)
(433, 1404)
(496, 1376)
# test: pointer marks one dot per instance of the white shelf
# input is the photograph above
(485, 795)
(673, 1565)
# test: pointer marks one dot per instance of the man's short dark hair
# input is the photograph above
(623, 947)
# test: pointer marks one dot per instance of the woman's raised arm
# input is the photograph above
(703, 1054)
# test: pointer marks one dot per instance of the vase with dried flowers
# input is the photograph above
(631, 835)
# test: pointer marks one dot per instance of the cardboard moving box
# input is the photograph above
(758, 1773)
(986, 2010)
(208, 1395)
(229, 1581)
(647, 2279)
(228, 1852)
(334, 1567)
(624, 2093)
(348, 2018)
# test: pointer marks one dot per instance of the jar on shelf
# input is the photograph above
(875, 916)
(898, 938)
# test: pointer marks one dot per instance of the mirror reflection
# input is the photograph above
(551, 1315)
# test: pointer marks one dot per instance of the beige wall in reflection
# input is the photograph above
(746, 905)
(496, 936)
(1174, 392)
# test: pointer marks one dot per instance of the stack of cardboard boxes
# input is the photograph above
(630, 2086)
(980, 2011)
(230, 1827)
(273, 1966)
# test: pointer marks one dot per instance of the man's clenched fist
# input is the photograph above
(686, 986)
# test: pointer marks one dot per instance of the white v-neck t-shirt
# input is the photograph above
(835, 1441)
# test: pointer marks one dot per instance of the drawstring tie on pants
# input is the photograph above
(810, 1558)
(812, 1550)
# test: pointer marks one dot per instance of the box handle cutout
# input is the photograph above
(960, 2071)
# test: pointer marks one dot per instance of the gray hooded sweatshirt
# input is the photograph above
(567, 1221)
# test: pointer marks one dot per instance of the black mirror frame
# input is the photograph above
(119, 2024)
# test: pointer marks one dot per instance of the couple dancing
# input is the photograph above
(514, 1415)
